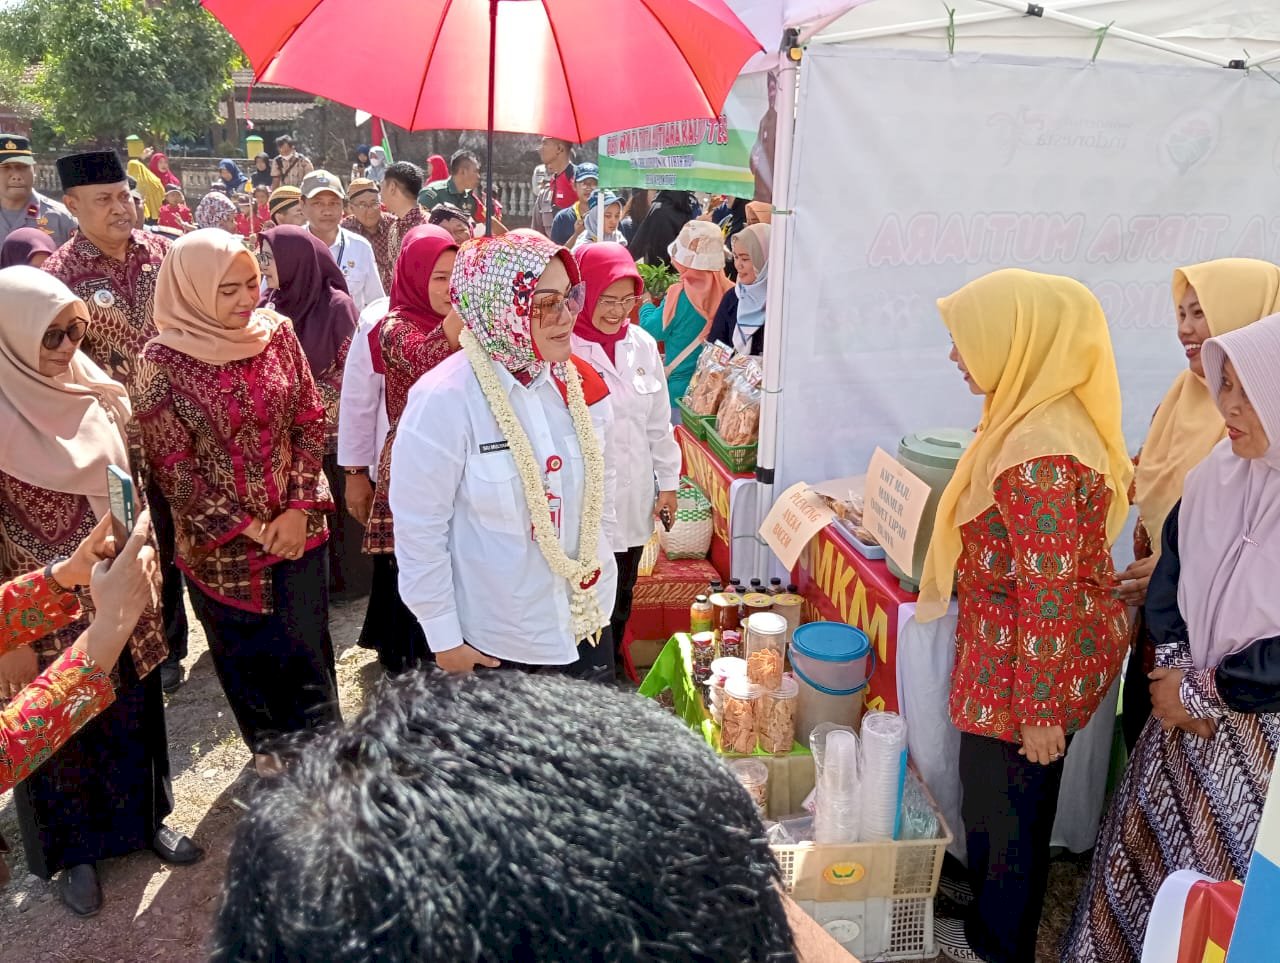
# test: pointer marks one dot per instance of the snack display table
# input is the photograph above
(912, 676)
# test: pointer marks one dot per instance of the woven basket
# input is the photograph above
(690, 536)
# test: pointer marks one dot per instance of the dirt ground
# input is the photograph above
(155, 912)
(151, 911)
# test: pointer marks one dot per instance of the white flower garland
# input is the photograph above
(583, 573)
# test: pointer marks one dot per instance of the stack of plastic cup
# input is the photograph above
(836, 819)
(884, 771)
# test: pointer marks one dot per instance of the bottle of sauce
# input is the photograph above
(775, 586)
(700, 615)
(737, 585)
(756, 585)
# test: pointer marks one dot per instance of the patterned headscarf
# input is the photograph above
(492, 291)
(213, 209)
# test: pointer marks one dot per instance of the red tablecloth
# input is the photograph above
(840, 585)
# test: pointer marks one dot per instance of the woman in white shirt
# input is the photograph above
(502, 496)
(641, 446)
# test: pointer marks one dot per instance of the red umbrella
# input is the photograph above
(548, 66)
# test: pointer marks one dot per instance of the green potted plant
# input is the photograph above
(657, 278)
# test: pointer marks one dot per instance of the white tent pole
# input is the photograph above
(775, 300)
(1049, 13)
(897, 30)
(1263, 60)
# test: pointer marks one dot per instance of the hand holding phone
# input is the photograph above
(120, 497)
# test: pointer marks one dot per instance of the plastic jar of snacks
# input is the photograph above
(776, 717)
(766, 645)
(738, 729)
(754, 776)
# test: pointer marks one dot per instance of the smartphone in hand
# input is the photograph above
(123, 509)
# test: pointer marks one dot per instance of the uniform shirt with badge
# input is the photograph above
(642, 447)
(354, 257)
(44, 214)
(470, 570)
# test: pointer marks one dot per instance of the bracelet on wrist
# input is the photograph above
(50, 578)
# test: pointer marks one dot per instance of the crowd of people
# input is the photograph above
(493, 418)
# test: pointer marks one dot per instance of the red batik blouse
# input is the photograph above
(59, 701)
(1040, 639)
(229, 444)
(407, 354)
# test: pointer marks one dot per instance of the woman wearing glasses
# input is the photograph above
(234, 429)
(62, 423)
(500, 489)
(642, 447)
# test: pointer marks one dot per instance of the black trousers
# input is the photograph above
(277, 670)
(106, 791)
(173, 612)
(350, 571)
(594, 663)
(389, 627)
(1008, 808)
(1136, 701)
(628, 572)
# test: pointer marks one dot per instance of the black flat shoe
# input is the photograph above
(173, 847)
(170, 676)
(80, 890)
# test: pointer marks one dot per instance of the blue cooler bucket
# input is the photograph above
(833, 657)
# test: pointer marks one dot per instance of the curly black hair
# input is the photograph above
(503, 817)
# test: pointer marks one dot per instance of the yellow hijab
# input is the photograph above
(1233, 292)
(150, 186)
(1039, 347)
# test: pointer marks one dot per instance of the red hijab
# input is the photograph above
(167, 177)
(437, 168)
(601, 265)
(410, 292)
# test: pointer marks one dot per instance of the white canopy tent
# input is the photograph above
(1177, 44)
(1236, 34)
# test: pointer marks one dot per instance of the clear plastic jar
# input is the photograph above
(776, 717)
(704, 653)
(754, 776)
(766, 646)
(738, 730)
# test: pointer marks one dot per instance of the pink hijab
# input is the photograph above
(1229, 523)
(602, 264)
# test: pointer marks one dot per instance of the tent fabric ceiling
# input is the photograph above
(1224, 30)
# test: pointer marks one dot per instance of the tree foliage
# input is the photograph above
(96, 70)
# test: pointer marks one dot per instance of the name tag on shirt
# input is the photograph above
(493, 446)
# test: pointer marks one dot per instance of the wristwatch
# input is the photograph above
(355, 471)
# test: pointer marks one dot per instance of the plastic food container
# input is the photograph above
(776, 717)
(738, 729)
(704, 654)
(731, 646)
(754, 776)
(831, 656)
(766, 648)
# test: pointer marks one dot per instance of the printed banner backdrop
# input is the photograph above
(916, 173)
(718, 157)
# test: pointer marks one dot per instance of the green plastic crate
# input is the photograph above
(697, 424)
(739, 459)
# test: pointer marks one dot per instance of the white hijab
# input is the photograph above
(1229, 523)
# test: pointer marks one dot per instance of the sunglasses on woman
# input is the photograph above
(73, 332)
(550, 307)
